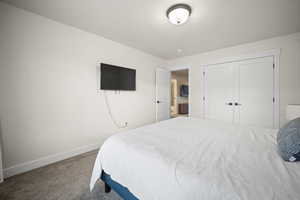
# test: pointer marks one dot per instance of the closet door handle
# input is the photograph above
(229, 104)
(237, 104)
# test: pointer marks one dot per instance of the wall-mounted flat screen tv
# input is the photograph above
(184, 91)
(117, 78)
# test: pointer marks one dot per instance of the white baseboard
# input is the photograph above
(27, 166)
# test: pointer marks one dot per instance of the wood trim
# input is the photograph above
(28, 166)
(273, 52)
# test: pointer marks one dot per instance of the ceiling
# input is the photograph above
(142, 24)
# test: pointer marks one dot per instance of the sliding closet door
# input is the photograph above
(256, 91)
(219, 92)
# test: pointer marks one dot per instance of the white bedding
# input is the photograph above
(193, 159)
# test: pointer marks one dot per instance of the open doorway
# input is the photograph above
(179, 93)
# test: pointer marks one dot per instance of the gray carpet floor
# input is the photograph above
(65, 180)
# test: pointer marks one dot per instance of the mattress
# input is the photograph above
(191, 159)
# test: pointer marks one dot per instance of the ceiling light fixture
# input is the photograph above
(179, 13)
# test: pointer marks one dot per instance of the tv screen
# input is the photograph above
(117, 78)
(184, 91)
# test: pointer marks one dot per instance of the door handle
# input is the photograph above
(157, 101)
(229, 104)
(237, 104)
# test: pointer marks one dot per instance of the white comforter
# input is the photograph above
(193, 159)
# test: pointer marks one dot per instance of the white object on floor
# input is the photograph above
(192, 159)
(292, 111)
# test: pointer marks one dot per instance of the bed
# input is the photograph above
(192, 159)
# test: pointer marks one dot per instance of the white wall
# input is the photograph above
(49, 103)
(49, 106)
(289, 68)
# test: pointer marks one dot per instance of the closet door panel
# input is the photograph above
(256, 92)
(219, 92)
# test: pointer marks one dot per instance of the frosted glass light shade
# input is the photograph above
(179, 13)
(292, 111)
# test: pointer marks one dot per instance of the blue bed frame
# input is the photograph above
(117, 187)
